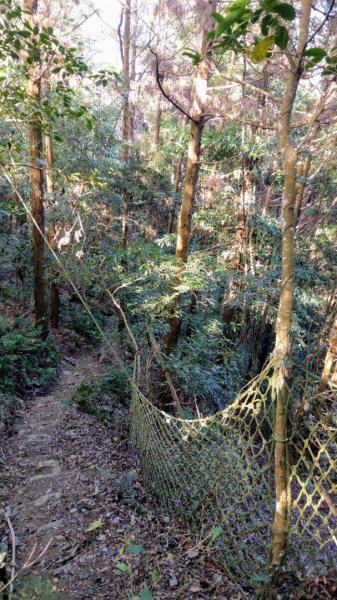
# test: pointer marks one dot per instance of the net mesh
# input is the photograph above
(218, 473)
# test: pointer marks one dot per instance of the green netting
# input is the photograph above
(219, 471)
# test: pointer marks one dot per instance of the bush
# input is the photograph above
(81, 324)
(26, 361)
(100, 397)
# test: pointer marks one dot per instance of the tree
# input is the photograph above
(284, 314)
(36, 182)
(197, 117)
(126, 117)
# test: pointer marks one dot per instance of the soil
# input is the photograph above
(81, 515)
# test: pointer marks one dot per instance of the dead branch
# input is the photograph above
(165, 94)
(13, 543)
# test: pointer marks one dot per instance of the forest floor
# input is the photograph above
(62, 479)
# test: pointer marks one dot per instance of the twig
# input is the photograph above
(28, 563)
(328, 500)
(69, 360)
(13, 542)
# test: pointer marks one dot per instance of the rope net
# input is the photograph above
(217, 474)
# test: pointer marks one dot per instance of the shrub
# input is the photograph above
(100, 397)
(26, 361)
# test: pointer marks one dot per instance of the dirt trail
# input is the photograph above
(55, 486)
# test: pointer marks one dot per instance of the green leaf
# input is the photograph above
(105, 472)
(281, 37)
(267, 21)
(95, 525)
(145, 594)
(195, 56)
(136, 549)
(216, 531)
(237, 4)
(256, 15)
(317, 53)
(128, 479)
(235, 16)
(122, 566)
(260, 51)
(154, 575)
(269, 4)
(286, 11)
(331, 60)
(217, 17)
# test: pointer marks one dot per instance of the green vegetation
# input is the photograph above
(187, 207)
(100, 396)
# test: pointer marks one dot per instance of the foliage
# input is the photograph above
(100, 396)
(35, 587)
(26, 361)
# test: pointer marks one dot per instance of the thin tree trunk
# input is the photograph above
(156, 136)
(126, 133)
(36, 187)
(329, 373)
(267, 202)
(50, 182)
(175, 194)
(284, 315)
(304, 172)
(49, 147)
(199, 98)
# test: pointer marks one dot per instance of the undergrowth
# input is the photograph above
(26, 363)
(35, 587)
(100, 397)
(80, 325)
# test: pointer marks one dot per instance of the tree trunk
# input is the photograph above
(49, 146)
(184, 230)
(36, 187)
(329, 373)
(156, 136)
(192, 170)
(199, 98)
(267, 202)
(50, 182)
(175, 194)
(126, 133)
(304, 172)
(284, 315)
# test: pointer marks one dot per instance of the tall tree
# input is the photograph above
(284, 314)
(36, 182)
(197, 117)
(126, 117)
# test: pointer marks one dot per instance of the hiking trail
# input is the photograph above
(61, 479)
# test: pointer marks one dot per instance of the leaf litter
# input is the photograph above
(110, 539)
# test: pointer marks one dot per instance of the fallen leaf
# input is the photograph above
(95, 525)
(122, 566)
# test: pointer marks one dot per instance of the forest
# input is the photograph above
(168, 300)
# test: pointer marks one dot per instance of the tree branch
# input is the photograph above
(119, 31)
(173, 102)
